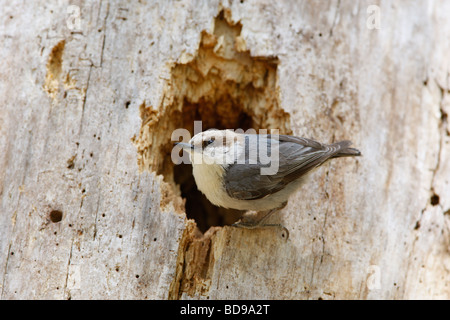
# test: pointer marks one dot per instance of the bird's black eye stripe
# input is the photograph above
(207, 142)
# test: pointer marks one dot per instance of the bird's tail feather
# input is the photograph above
(345, 150)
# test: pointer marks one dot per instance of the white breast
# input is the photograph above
(208, 178)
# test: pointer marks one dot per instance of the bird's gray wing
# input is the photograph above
(297, 156)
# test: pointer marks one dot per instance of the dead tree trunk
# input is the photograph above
(92, 206)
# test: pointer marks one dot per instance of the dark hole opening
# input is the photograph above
(225, 88)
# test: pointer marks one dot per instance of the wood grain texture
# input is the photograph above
(73, 97)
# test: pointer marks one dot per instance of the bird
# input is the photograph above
(228, 168)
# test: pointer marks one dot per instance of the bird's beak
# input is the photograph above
(184, 145)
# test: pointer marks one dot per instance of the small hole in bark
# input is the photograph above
(434, 200)
(55, 216)
(417, 226)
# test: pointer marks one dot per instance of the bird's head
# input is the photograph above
(221, 147)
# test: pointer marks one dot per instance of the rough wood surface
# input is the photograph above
(89, 93)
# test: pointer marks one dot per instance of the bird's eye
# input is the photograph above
(207, 142)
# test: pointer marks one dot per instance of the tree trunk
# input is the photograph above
(92, 207)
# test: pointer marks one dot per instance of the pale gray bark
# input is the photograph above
(75, 92)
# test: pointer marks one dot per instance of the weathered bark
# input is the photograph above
(92, 207)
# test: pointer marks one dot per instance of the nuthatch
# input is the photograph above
(228, 168)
